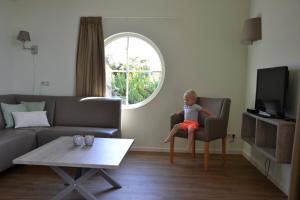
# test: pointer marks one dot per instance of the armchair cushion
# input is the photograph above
(179, 117)
(199, 134)
(212, 104)
(214, 129)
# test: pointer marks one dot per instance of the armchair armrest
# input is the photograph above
(215, 128)
(176, 118)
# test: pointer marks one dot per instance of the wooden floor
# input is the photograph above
(150, 176)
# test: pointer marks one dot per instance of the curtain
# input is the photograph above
(294, 193)
(90, 64)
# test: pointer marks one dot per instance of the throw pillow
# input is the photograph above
(34, 106)
(30, 119)
(7, 109)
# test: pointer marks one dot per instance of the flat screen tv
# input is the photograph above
(271, 88)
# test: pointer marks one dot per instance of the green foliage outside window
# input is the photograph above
(141, 81)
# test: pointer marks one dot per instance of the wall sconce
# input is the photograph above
(24, 36)
(251, 30)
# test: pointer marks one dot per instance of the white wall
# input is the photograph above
(201, 47)
(280, 45)
(5, 47)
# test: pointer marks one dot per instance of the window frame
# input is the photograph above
(155, 47)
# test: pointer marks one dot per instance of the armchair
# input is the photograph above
(210, 128)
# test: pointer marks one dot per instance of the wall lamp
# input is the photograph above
(24, 36)
(251, 30)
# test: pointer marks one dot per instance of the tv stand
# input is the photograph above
(272, 137)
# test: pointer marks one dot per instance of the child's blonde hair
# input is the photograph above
(191, 93)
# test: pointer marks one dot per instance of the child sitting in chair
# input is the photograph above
(190, 123)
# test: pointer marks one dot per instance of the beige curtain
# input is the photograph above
(295, 173)
(90, 63)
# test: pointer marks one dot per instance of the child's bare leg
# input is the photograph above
(172, 133)
(191, 132)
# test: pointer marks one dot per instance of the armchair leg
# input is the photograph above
(172, 149)
(194, 149)
(206, 155)
(224, 150)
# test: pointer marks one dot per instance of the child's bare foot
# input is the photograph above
(168, 139)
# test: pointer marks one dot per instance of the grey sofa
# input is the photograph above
(67, 116)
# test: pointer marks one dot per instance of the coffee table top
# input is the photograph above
(106, 153)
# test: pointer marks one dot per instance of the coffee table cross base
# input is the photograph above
(77, 184)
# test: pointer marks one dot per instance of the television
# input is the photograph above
(271, 89)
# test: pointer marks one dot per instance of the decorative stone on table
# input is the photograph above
(78, 140)
(89, 140)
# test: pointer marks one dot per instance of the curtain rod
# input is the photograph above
(158, 17)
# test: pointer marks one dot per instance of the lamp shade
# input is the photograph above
(251, 30)
(23, 36)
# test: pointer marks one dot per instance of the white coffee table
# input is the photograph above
(106, 153)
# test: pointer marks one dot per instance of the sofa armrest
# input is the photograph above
(176, 118)
(214, 128)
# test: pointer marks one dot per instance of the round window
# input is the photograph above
(134, 69)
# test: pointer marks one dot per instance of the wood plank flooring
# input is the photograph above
(150, 176)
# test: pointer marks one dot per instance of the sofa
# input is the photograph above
(67, 116)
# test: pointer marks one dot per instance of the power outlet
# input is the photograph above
(45, 83)
(231, 137)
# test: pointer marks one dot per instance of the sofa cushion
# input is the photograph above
(8, 109)
(45, 135)
(30, 119)
(9, 99)
(34, 106)
(14, 143)
(49, 106)
(89, 112)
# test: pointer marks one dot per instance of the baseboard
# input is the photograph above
(260, 167)
(181, 150)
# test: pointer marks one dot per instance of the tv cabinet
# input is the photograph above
(272, 137)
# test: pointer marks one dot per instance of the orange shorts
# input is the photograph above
(189, 124)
